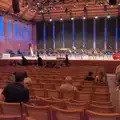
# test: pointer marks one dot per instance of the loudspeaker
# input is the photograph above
(15, 6)
(112, 2)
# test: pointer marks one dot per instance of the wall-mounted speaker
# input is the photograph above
(112, 2)
(15, 6)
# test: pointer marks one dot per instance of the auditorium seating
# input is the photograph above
(37, 112)
(60, 114)
(93, 100)
(11, 111)
(102, 116)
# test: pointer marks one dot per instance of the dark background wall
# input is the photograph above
(78, 36)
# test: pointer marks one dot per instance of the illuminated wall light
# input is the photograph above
(72, 18)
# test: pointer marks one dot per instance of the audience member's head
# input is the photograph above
(19, 77)
(68, 79)
(38, 55)
(23, 57)
(66, 56)
(25, 74)
(90, 73)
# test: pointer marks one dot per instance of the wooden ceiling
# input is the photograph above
(74, 9)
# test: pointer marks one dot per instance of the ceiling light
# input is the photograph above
(84, 18)
(72, 18)
(61, 19)
(96, 17)
(50, 20)
(108, 16)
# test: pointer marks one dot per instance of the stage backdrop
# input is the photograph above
(15, 34)
(100, 33)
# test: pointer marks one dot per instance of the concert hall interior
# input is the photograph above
(59, 59)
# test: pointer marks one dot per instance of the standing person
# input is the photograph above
(16, 92)
(31, 50)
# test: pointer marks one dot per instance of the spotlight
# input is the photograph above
(72, 18)
(50, 19)
(96, 17)
(84, 18)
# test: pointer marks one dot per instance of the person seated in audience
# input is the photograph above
(27, 80)
(89, 77)
(13, 63)
(39, 61)
(16, 92)
(24, 61)
(12, 78)
(66, 60)
(101, 77)
(68, 86)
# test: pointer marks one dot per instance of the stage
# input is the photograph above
(73, 57)
(107, 61)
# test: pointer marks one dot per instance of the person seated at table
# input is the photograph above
(89, 77)
(68, 85)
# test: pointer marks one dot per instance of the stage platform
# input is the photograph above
(106, 61)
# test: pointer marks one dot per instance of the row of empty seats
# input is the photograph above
(16, 111)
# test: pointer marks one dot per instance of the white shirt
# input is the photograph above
(67, 87)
